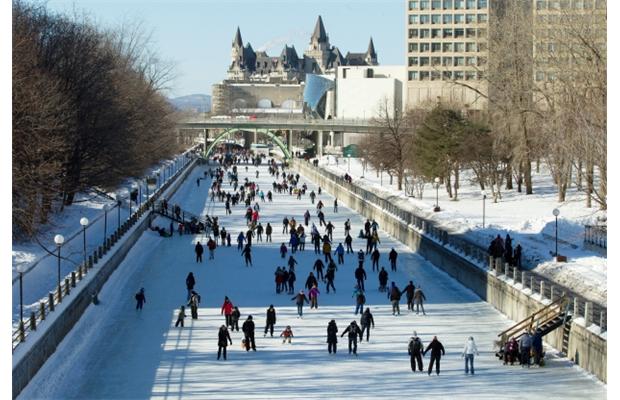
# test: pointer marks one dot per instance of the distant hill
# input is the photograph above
(192, 102)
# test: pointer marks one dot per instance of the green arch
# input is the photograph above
(272, 136)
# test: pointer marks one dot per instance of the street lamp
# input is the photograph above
(556, 212)
(84, 223)
(349, 157)
(484, 197)
(20, 270)
(436, 209)
(381, 168)
(130, 190)
(118, 205)
(59, 240)
(106, 208)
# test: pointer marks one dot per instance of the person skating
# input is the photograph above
(330, 230)
(468, 352)
(360, 299)
(537, 347)
(360, 257)
(140, 299)
(211, 245)
(180, 317)
(313, 294)
(437, 351)
(366, 321)
(194, 302)
(525, 345)
(259, 232)
(227, 308)
(291, 263)
(360, 276)
(374, 257)
(299, 301)
(415, 350)
(248, 334)
(332, 336)
(287, 333)
(394, 296)
(409, 291)
(348, 240)
(285, 223)
(199, 250)
(306, 217)
(283, 250)
(240, 241)
(340, 253)
(311, 281)
(247, 255)
(336, 205)
(223, 338)
(330, 275)
(392, 257)
(271, 320)
(419, 298)
(268, 232)
(234, 318)
(291, 281)
(354, 331)
(383, 278)
(318, 267)
(327, 250)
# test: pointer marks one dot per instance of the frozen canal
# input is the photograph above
(117, 352)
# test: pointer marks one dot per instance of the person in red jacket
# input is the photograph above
(227, 309)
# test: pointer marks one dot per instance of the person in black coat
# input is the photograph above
(415, 352)
(140, 299)
(190, 282)
(409, 291)
(223, 338)
(360, 275)
(366, 321)
(311, 281)
(437, 351)
(392, 257)
(354, 331)
(247, 255)
(374, 257)
(332, 336)
(383, 278)
(271, 320)
(194, 302)
(199, 250)
(248, 333)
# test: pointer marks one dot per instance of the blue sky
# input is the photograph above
(197, 35)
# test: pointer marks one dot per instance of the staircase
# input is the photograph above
(546, 320)
(185, 216)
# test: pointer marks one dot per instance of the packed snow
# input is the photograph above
(528, 220)
(116, 351)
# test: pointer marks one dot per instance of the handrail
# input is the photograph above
(533, 317)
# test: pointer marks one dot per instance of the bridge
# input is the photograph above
(218, 129)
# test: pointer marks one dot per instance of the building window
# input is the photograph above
(459, 47)
(414, 19)
(541, 4)
(436, 4)
(447, 33)
(459, 33)
(470, 47)
(551, 76)
(447, 18)
(482, 4)
(424, 61)
(458, 75)
(470, 75)
(424, 5)
(471, 33)
(447, 75)
(470, 61)
(413, 33)
(425, 19)
(482, 18)
(447, 62)
(459, 61)
(471, 4)
(436, 61)
(414, 5)
(540, 76)
(447, 47)
(435, 47)
(482, 33)
(424, 75)
(480, 75)
(459, 4)
(447, 4)
(424, 47)
(435, 75)
(413, 47)
(413, 61)
(436, 19)
(413, 75)
(435, 33)
(470, 18)
(425, 33)
(459, 18)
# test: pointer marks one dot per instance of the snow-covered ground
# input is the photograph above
(117, 352)
(40, 261)
(528, 220)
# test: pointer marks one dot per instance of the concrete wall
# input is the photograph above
(585, 348)
(79, 300)
(228, 95)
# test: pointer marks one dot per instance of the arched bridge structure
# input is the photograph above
(218, 129)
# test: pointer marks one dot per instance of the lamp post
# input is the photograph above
(84, 223)
(106, 207)
(484, 197)
(59, 240)
(139, 183)
(556, 212)
(20, 270)
(349, 157)
(436, 209)
(130, 190)
(381, 168)
(118, 205)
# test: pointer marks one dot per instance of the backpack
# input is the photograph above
(361, 299)
(410, 348)
(417, 346)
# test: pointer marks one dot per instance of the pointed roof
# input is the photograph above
(335, 55)
(291, 55)
(371, 49)
(237, 40)
(319, 31)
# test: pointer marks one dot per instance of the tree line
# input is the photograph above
(88, 111)
(557, 117)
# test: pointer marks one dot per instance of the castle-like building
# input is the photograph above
(320, 58)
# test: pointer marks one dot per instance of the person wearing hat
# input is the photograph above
(271, 320)
(332, 336)
(468, 352)
(299, 300)
(415, 352)
(287, 334)
(354, 331)
(248, 333)
(437, 351)
(223, 337)
(140, 299)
